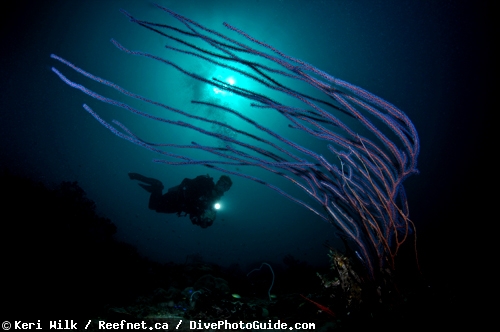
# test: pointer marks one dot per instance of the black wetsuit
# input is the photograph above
(193, 197)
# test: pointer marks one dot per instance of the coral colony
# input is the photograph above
(364, 148)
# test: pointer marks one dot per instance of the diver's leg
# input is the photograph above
(155, 200)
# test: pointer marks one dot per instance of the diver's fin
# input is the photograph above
(134, 176)
(151, 181)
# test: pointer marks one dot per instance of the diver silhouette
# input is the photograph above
(193, 197)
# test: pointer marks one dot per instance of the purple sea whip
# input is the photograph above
(357, 185)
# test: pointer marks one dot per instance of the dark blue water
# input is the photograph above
(425, 57)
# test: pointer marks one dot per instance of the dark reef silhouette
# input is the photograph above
(61, 261)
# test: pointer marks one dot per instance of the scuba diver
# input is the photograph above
(194, 197)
